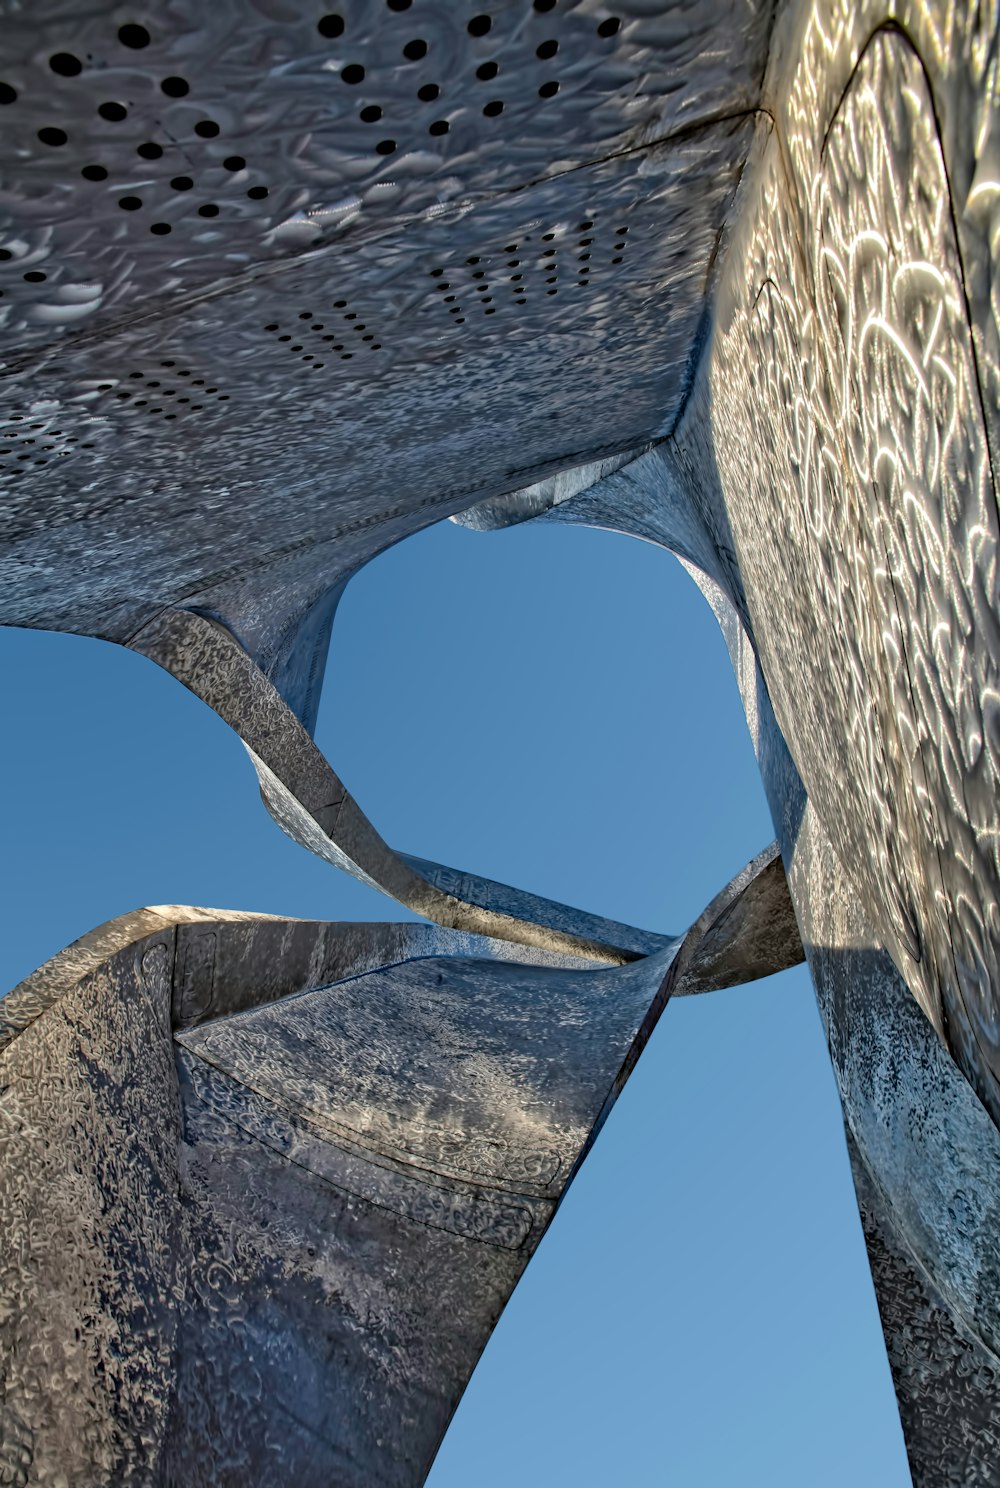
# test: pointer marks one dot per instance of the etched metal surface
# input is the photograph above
(281, 287)
(277, 1255)
(205, 242)
(878, 631)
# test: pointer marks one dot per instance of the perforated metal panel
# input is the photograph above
(280, 284)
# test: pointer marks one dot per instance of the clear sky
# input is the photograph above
(554, 708)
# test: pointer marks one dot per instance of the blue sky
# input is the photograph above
(552, 707)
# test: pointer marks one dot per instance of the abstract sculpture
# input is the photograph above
(282, 286)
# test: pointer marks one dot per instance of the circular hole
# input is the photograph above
(49, 136)
(436, 273)
(280, 338)
(168, 364)
(317, 325)
(257, 193)
(184, 400)
(135, 374)
(548, 90)
(473, 260)
(305, 315)
(369, 337)
(549, 253)
(617, 260)
(168, 415)
(7, 93)
(493, 311)
(513, 263)
(308, 357)
(620, 232)
(183, 372)
(429, 92)
(353, 73)
(584, 270)
(546, 50)
(414, 50)
(584, 257)
(455, 310)
(35, 276)
(169, 393)
(619, 245)
(487, 71)
(113, 112)
(351, 315)
(197, 407)
(234, 163)
(479, 25)
(492, 109)
(479, 273)
(347, 356)
(175, 87)
(515, 278)
(206, 128)
(486, 300)
(548, 237)
(544, 5)
(584, 226)
(511, 248)
(399, 4)
(329, 338)
(385, 147)
(358, 327)
(338, 346)
(272, 327)
(609, 27)
(130, 203)
(153, 382)
(94, 173)
(440, 126)
(65, 64)
(340, 304)
(370, 114)
(149, 151)
(459, 321)
(181, 183)
(133, 36)
(223, 397)
(317, 366)
(330, 26)
(550, 279)
(520, 302)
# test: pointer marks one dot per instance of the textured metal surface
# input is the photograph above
(563, 226)
(267, 1184)
(878, 629)
(280, 287)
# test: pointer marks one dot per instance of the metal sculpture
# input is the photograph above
(281, 287)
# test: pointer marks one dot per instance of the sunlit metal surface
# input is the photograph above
(282, 287)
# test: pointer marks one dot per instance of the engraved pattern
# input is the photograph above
(860, 347)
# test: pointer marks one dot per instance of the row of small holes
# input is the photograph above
(66, 65)
(331, 26)
(155, 386)
(520, 289)
(11, 439)
(318, 327)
